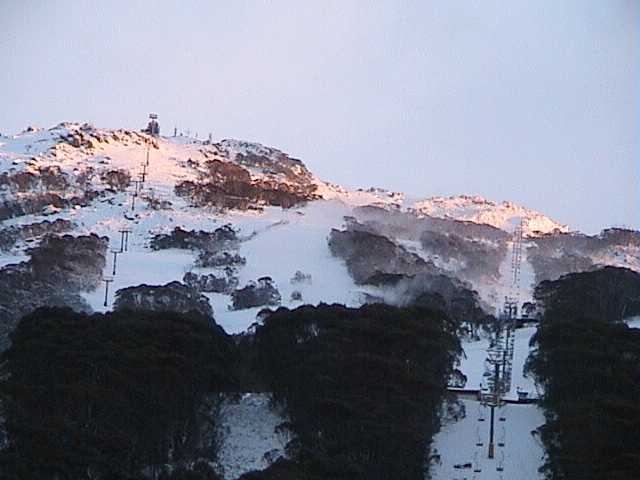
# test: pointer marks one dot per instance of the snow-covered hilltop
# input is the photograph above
(181, 166)
(74, 149)
(505, 215)
(80, 180)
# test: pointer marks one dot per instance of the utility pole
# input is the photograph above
(497, 386)
(115, 258)
(107, 281)
(516, 258)
(124, 239)
(143, 175)
(492, 406)
(148, 150)
(124, 235)
(135, 194)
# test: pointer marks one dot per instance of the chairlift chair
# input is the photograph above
(502, 417)
(500, 466)
(503, 436)
(476, 468)
(479, 442)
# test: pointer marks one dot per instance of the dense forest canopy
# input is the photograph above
(111, 396)
(136, 394)
(362, 387)
(588, 363)
(610, 294)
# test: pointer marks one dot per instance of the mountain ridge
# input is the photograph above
(68, 142)
(78, 180)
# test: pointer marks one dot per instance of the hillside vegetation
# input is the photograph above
(588, 363)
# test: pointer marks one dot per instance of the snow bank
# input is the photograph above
(250, 441)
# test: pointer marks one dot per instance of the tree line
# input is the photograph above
(588, 363)
(114, 396)
(362, 388)
(133, 395)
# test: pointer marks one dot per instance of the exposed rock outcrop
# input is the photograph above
(86, 136)
(118, 180)
(44, 178)
(230, 183)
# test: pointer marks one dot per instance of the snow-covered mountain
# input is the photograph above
(505, 215)
(100, 219)
(222, 217)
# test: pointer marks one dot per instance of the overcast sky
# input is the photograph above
(535, 102)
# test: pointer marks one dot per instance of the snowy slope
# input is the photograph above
(505, 215)
(250, 437)
(281, 242)
(519, 458)
(474, 365)
(278, 242)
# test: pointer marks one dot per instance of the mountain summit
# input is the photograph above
(100, 219)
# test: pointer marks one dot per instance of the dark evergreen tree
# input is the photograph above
(610, 293)
(110, 396)
(362, 387)
(588, 364)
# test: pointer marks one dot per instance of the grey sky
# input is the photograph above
(535, 102)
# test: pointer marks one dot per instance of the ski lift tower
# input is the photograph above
(493, 399)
